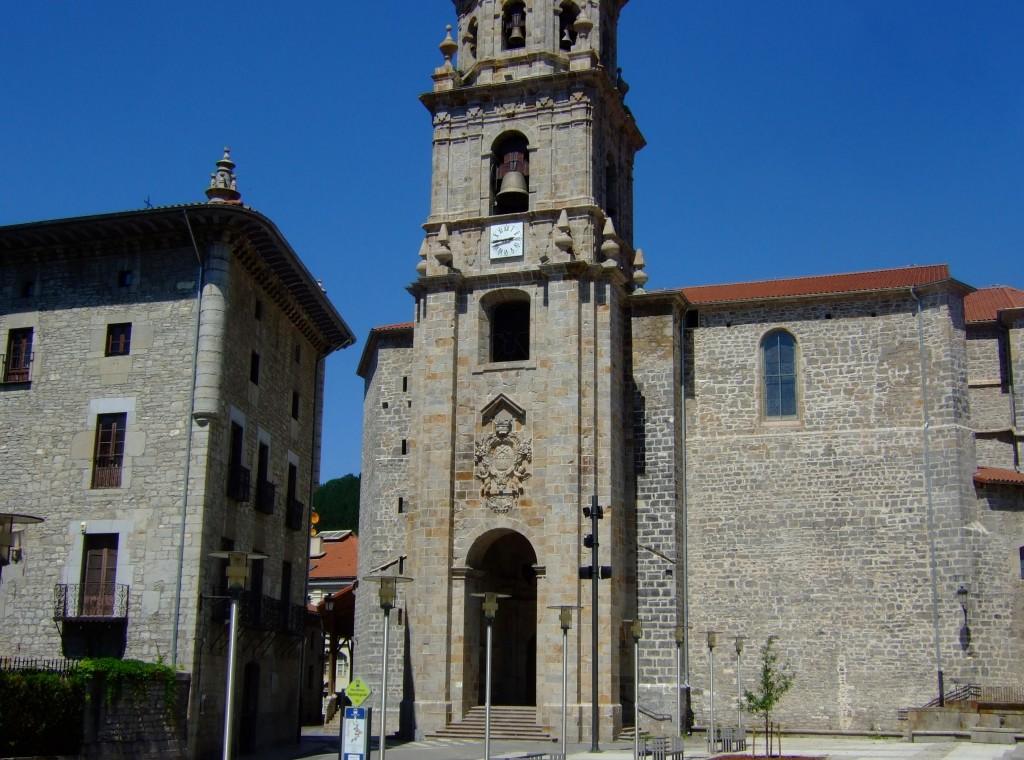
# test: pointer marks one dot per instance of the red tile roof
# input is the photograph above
(853, 282)
(339, 560)
(998, 476)
(983, 305)
(397, 327)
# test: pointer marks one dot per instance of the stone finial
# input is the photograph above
(421, 265)
(563, 234)
(444, 256)
(448, 47)
(223, 183)
(639, 275)
(610, 247)
(582, 25)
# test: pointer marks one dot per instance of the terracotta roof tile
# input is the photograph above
(983, 305)
(998, 476)
(853, 282)
(339, 560)
(397, 327)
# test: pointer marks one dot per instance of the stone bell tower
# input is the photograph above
(515, 370)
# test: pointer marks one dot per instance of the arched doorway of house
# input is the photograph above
(504, 562)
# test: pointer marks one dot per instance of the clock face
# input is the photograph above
(507, 240)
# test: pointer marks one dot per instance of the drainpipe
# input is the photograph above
(683, 558)
(188, 446)
(932, 558)
(1013, 395)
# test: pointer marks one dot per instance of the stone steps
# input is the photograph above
(507, 722)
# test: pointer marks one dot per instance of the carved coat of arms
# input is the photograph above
(502, 459)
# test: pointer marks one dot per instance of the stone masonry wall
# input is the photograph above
(656, 457)
(816, 529)
(287, 364)
(48, 436)
(387, 406)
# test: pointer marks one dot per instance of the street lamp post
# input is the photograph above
(490, 607)
(237, 573)
(387, 592)
(712, 640)
(739, 692)
(565, 621)
(636, 630)
(8, 550)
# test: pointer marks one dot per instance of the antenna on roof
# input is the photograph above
(149, 203)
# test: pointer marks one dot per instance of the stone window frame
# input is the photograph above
(762, 379)
(488, 301)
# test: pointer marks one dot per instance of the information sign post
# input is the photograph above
(355, 734)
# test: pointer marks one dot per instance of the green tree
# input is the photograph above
(337, 503)
(774, 682)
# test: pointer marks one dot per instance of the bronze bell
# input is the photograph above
(516, 38)
(513, 185)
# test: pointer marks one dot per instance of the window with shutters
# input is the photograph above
(119, 339)
(18, 359)
(108, 454)
(99, 575)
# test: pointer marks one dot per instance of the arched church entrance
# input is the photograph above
(504, 562)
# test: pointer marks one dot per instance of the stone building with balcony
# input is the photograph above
(162, 395)
(831, 460)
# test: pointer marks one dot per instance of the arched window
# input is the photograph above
(778, 354)
(511, 174)
(513, 26)
(471, 38)
(611, 188)
(566, 20)
(510, 332)
(505, 332)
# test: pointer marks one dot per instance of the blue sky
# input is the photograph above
(784, 138)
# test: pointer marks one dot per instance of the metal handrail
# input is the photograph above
(77, 601)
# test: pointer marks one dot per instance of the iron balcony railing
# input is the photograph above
(90, 601)
(17, 367)
(293, 516)
(106, 472)
(262, 613)
(238, 483)
(265, 491)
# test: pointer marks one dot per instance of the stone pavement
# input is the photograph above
(317, 746)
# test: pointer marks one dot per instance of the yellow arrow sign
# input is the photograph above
(357, 691)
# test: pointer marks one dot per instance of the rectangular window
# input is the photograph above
(108, 454)
(264, 488)
(1022, 563)
(405, 447)
(294, 509)
(295, 405)
(119, 339)
(297, 353)
(254, 368)
(286, 593)
(18, 359)
(401, 505)
(99, 575)
(238, 476)
(256, 590)
(405, 384)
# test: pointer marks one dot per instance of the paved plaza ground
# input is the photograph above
(316, 745)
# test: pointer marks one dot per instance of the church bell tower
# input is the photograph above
(519, 348)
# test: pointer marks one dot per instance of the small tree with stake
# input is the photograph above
(773, 683)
